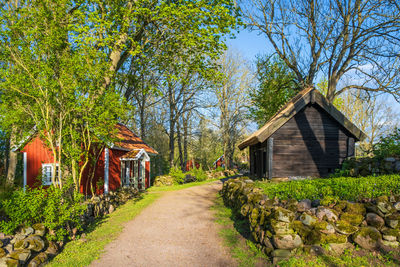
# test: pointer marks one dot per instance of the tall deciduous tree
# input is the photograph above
(357, 39)
(232, 101)
(276, 85)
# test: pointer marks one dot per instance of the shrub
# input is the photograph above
(199, 173)
(344, 188)
(388, 146)
(177, 175)
(57, 209)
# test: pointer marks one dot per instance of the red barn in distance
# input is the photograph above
(220, 162)
(189, 164)
(124, 163)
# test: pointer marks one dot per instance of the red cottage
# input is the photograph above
(126, 162)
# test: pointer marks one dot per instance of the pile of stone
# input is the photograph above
(370, 166)
(215, 174)
(280, 227)
(28, 247)
(163, 180)
(104, 204)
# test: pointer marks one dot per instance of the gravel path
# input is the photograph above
(176, 230)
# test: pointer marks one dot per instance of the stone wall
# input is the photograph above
(30, 247)
(280, 227)
(371, 166)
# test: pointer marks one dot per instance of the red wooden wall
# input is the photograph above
(36, 154)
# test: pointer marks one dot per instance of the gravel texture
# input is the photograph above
(177, 230)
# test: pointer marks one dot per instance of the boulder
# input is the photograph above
(21, 255)
(324, 227)
(392, 244)
(268, 247)
(36, 243)
(304, 205)
(345, 228)
(12, 262)
(375, 220)
(315, 203)
(25, 231)
(2, 253)
(383, 205)
(21, 244)
(281, 228)
(338, 249)
(353, 219)
(301, 229)
(368, 238)
(283, 215)
(392, 220)
(355, 208)
(111, 209)
(307, 219)
(52, 249)
(287, 241)
(333, 239)
(390, 234)
(9, 247)
(40, 229)
(326, 214)
(340, 205)
(38, 260)
(397, 206)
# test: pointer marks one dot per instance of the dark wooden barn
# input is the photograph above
(307, 137)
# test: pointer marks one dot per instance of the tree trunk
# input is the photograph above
(179, 136)
(142, 123)
(12, 159)
(185, 140)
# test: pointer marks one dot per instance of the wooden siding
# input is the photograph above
(36, 154)
(311, 143)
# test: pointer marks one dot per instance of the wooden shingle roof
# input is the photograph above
(130, 141)
(291, 108)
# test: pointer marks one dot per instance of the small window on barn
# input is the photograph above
(47, 171)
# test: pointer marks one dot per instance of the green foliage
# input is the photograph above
(388, 146)
(199, 173)
(177, 175)
(56, 208)
(344, 188)
(276, 86)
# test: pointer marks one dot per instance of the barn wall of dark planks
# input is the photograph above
(311, 143)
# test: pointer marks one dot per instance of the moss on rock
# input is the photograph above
(356, 208)
(302, 230)
(353, 219)
(333, 238)
(345, 228)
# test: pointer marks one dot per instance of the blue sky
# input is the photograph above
(250, 44)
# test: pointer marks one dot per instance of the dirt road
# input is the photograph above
(177, 230)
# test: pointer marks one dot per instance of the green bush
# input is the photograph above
(388, 146)
(177, 175)
(57, 209)
(345, 188)
(199, 173)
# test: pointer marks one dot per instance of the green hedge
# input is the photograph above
(57, 209)
(345, 188)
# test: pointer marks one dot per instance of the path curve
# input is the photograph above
(178, 229)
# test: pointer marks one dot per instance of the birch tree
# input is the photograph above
(232, 101)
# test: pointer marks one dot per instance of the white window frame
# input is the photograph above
(47, 180)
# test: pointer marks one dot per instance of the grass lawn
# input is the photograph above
(345, 188)
(236, 235)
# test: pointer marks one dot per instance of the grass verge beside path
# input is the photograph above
(235, 233)
(82, 253)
